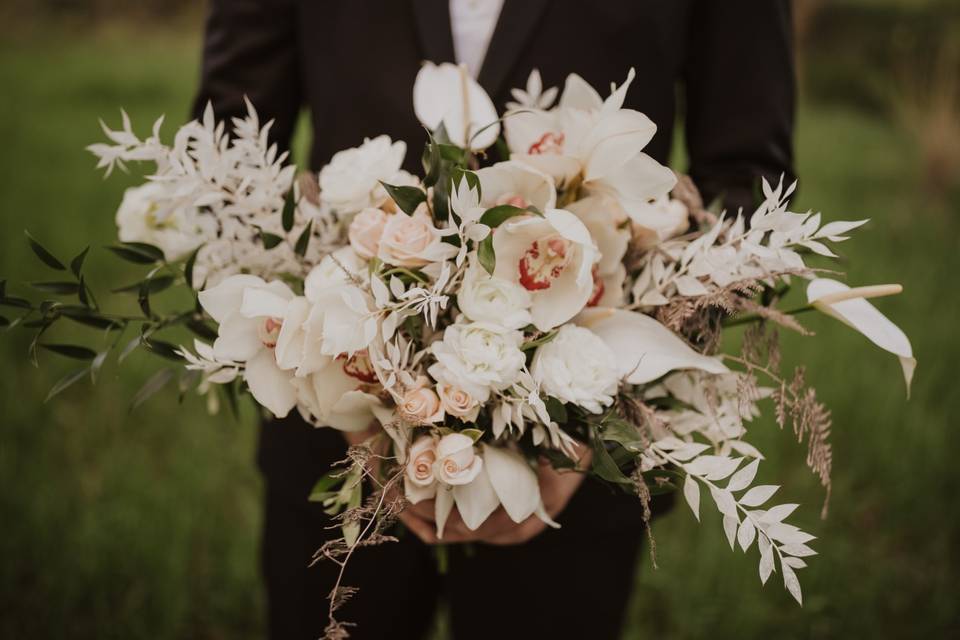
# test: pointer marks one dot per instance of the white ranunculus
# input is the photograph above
(350, 181)
(446, 94)
(552, 257)
(516, 184)
(484, 298)
(478, 357)
(644, 349)
(146, 215)
(251, 314)
(339, 394)
(577, 367)
(413, 241)
(596, 145)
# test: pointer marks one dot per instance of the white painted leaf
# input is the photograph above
(691, 491)
(838, 228)
(818, 248)
(396, 287)
(380, 292)
(778, 513)
(689, 450)
(730, 528)
(796, 563)
(745, 449)
(690, 286)
(766, 563)
(799, 550)
(725, 502)
(758, 495)
(746, 534)
(742, 479)
(791, 583)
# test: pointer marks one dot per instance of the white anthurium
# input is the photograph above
(552, 257)
(446, 94)
(516, 184)
(598, 146)
(657, 221)
(606, 221)
(645, 349)
(251, 313)
(338, 395)
(850, 307)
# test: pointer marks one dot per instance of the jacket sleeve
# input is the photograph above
(740, 97)
(250, 49)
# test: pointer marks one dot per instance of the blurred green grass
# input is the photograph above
(120, 525)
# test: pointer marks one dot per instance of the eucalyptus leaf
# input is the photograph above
(76, 265)
(132, 255)
(57, 288)
(71, 351)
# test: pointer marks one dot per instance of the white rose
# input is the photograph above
(350, 181)
(420, 459)
(413, 241)
(145, 215)
(478, 357)
(484, 298)
(457, 463)
(577, 367)
(457, 402)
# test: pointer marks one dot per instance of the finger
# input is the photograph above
(425, 510)
(421, 528)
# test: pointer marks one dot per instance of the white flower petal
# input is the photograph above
(225, 298)
(438, 96)
(476, 500)
(514, 482)
(269, 385)
(238, 339)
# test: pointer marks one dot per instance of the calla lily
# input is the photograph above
(515, 484)
(446, 94)
(550, 256)
(518, 185)
(644, 348)
(850, 307)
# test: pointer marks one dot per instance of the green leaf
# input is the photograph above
(163, 349)
(407, 198)
(486, 254)
(76, 265)
(151, 285)
(146, 249)
(289, 208)
(539, 341)
(188, 267)
(202, 329)
(57, 288)
(19, 303)
(65, 382)
(603, 463)
(270, 240)
(496, 216)
(71, 351)
(458, 175)
(623, 433)
(156, 382)
(304, 240)
(431, 162)
(452, 153)
(474, 434)
(133, 255)
(97, 364)
(45, 256)
(557, 410)
(323, 489)
(88, 318)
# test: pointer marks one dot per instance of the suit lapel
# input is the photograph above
(517, 21)
(433, 26)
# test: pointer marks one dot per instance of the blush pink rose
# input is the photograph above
(365, 232)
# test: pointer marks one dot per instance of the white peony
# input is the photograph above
(484, 298)
(350, 182)
(146, 215)
(552, 257)
(478, 357)
(251, 314)
(577, 367)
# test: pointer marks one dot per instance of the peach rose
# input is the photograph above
(457, 463)
(422, 455)
(457, 402)
(412, 241)
(421, 406)
(365, 232)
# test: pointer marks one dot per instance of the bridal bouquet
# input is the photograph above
(570, 296)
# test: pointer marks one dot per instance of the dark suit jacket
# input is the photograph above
(725, 66)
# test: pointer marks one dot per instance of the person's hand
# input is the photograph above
(556, 489)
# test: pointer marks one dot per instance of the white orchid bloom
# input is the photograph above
(446, 94)
(850, 307)
(596, 144)
(605, 219)
(516, 184)
(338, 394)
(645, 349)
(251, 314)
(552, 257)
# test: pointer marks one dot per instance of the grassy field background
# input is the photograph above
(145, 525)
